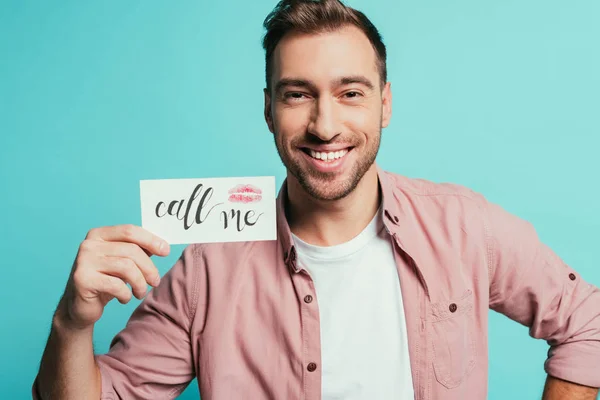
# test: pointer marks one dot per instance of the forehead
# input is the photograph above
(325, 56)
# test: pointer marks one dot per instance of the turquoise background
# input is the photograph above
(503, 97)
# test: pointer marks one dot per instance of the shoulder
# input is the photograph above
(223, 258)
(426, 190)
(439, 204)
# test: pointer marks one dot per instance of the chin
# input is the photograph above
(327, 189)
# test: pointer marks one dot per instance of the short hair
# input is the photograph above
(317, 16)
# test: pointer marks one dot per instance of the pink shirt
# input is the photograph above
(244, 317)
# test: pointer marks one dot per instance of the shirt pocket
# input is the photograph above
(453, 339)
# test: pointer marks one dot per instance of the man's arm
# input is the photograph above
(557, 389)
(68, 369)
(530, 284)
(152, 357)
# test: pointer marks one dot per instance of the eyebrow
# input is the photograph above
(345, 80)
(348, 80)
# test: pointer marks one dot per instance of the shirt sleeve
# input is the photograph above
(532, 285)
(151, 357)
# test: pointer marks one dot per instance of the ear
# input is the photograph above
(268, 113)
(386, 102)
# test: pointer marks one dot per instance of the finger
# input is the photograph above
(136, 254)
(131, 234)
(126, 270)
(114, 287)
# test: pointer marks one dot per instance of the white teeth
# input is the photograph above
(328, 156)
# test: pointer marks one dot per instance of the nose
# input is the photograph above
(324, 120)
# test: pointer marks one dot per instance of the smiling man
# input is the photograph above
(377, 287)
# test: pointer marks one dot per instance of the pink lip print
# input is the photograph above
(245, 194)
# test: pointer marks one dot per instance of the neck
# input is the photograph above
(328, 223)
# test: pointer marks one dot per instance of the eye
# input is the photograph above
(352, 94)
(293, 96)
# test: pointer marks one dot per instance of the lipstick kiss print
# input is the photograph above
(245, 194)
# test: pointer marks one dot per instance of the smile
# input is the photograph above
(327, 155)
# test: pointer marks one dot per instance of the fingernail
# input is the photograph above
(157, 281)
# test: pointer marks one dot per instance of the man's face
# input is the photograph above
(326, 109)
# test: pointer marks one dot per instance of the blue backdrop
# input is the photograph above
(502, 97)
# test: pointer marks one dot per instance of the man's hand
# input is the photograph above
(108, 258)
(557, 389)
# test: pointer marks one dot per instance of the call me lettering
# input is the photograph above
(182, 210)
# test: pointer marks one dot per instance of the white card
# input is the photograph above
(183, 211)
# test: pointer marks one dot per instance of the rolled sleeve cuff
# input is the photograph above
(576, 362)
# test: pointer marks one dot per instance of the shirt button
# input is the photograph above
(307, 298)
(453, 307)
(572, 276)
(311, 367)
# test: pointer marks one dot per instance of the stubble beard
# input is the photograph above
(320, 185)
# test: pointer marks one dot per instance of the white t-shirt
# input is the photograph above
(363, 330)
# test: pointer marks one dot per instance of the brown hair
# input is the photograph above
(316, 16)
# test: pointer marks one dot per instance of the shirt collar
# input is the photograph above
(284, 234)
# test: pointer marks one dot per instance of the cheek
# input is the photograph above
(360, 119)
(291, 121)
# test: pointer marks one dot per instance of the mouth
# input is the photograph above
(327, 161)
(245, 194)
(326, 156)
